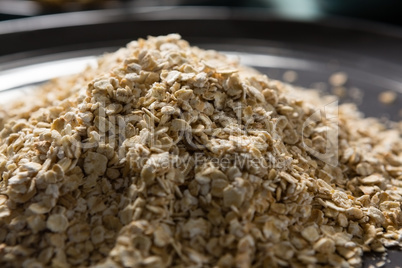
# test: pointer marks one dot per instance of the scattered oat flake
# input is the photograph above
(338, 79)
(387, 97)
(380, 264)
(290, 76)
(339, 91)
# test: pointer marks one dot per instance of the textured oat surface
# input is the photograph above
(167, 155)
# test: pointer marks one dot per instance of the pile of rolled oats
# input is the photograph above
(168, 155)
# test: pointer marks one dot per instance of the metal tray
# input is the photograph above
(35, 50)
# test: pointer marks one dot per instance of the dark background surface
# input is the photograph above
(384, 11)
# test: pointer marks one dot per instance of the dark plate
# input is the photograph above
(36, 49)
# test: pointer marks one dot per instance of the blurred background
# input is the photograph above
(385, 11)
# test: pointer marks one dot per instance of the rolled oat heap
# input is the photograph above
(167, 155)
